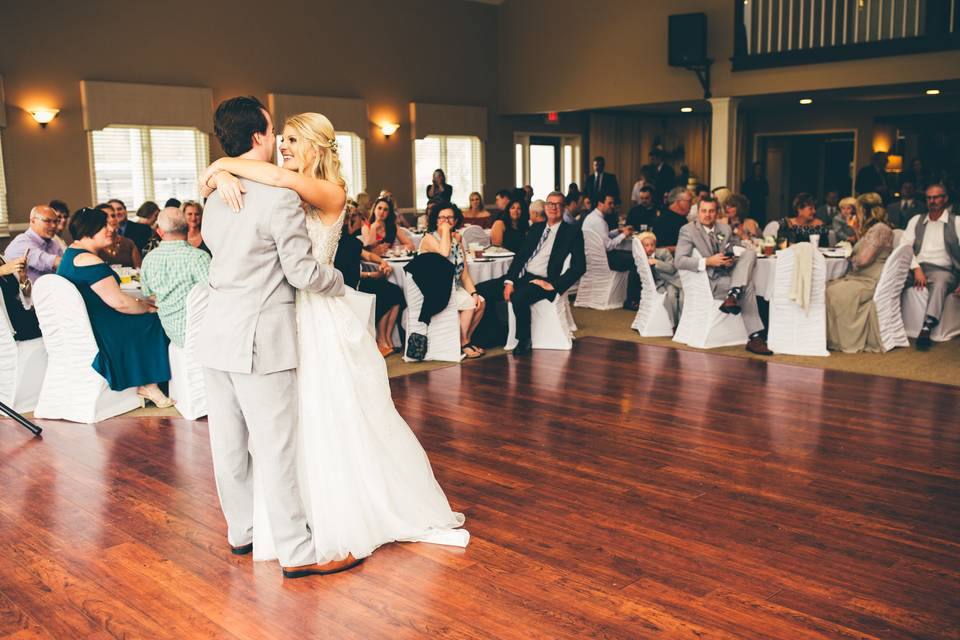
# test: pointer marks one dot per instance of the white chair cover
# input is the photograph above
(913, 302)
(886, 298)
(475, 234)
(652, 318)
(552, 325)
(443, 332)
(793, 330)
(187, 385)
(702, 324)
(72, 390)
(897, 236)
(771, 229)
(600, 287)
(22, 365)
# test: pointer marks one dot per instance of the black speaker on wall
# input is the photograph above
(687, 40)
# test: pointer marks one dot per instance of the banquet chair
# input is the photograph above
(71, 389)
(886, 298)
(22, 365)
(475, 234)
(187, 385)
(443, 332)
(600, 287)
(897, 236)
(702, 324)
(652, 319)
(771, 229)
(913, 302)
(793, 330)
(551, 325)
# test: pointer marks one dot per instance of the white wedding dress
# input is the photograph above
(364, 477)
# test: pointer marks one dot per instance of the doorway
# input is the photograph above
(546, 162)
(812, 162)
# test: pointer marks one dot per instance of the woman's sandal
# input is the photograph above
(477, 353)
(386, 351)
(158, 399)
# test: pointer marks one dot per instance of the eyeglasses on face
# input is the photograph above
(47, 220)
(553, 204)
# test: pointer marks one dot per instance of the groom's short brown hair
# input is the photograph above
(235, 122)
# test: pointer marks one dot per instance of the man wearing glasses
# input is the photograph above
(37, 243)
(936, 256)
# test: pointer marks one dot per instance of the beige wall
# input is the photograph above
(389, 53)
(558, 55)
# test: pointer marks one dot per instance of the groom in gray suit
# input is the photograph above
(247, 343)
(730, 276)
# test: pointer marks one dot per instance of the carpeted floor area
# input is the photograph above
(941, 364)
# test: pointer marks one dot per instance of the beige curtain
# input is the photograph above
(121, 103)
(626, 140)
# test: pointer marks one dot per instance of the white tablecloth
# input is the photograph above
(766, 270)
(481, 271)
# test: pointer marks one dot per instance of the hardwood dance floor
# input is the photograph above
(618, 491)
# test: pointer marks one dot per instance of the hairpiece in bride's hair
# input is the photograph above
(333, 146)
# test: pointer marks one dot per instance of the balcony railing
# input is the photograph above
(788, 32)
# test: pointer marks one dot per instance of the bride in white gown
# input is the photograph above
(365, 479)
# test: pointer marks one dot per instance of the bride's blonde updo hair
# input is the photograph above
(316, 130)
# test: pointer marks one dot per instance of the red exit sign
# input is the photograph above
(552, 118)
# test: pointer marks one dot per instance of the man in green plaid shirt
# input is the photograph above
(171, 270)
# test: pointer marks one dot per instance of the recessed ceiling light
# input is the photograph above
(806, 100)
(686, 109)
(933, 92)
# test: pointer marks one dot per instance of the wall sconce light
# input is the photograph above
(43, 116)
(388, 129)
(894, 163)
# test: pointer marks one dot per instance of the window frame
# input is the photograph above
(4, 203)
(479, 173)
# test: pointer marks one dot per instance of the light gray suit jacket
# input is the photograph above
(260, 257)
(694, 236)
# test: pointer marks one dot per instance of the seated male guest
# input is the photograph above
(537, 211)
(730, 276)
(170, 272)
(130, 338)
(37, 243)
(671, 220)
(936, 250)
(644, 215)
(617, 259)
(16, 298)
(830, 207)
(902, 210)
(537, 272)
(63, 216)
(138, 232)
(571, 208)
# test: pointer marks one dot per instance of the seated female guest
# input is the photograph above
(133, 347)
(193, 212)
(16, 298)
(852, 323)
(841, 222)
(477, 213)
(389, 297)
(664, 274)
(441, 238)
(802, 224)
(120, 250)
(511, 228)
(735, 210)
(382, 232)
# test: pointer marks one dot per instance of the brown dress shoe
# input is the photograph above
(335, 566)
(759, 346)
(730, 305)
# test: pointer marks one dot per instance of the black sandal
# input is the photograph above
(463, 350)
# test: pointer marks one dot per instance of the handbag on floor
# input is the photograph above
(417, 346)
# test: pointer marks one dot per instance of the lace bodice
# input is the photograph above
(324, 238)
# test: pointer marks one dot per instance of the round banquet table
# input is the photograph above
(480, 271)
(766, 270)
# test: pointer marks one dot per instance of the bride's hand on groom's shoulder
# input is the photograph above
(231, 190)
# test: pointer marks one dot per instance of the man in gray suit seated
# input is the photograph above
(730, 276)
(247, 344)
(902, 210)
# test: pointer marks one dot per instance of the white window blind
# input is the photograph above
(353, 164)
(4, 214)
(460, 157)
(135, 164)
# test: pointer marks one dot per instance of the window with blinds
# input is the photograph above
(4, 214)
(460, 157)
(135, 164)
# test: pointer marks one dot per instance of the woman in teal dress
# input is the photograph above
(133, 346)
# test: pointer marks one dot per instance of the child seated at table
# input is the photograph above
(664, 275)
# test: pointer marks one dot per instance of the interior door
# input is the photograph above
(544, 165)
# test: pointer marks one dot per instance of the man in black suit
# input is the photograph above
(873, 177)
(664, 177)
(905, 207)
(138, 233)
(600, 183)
(645, 214)
(537, 272)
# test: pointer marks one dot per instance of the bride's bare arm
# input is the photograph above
(322, 194)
